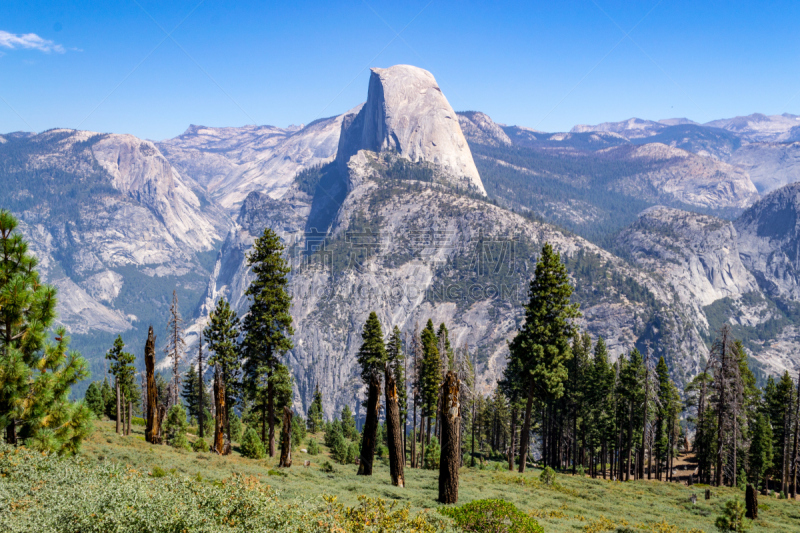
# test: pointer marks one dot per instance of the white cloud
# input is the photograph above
(30, 41)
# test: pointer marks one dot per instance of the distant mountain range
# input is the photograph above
(404, 207)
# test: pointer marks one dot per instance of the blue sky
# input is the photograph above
(151, 68)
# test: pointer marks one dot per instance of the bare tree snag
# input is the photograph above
(152, 431)
(751, 502)
(451, 447)
(119, 405)
(271, 412)
(286, 438)
(130, 415)
(222, 444)
(394, 432)
(370, 427)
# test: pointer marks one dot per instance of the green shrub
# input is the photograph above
(548, 476)
(298, 430)
(273, 472)
(236, 428)
(491, 516)
(158, 472)
(313, 447)
(580, 470)
(180, 442)
(114, 497)
(251, 445)
(200, 445)
(327, 467)
(175, 427)
(353, 451)
(732, 518)
(138, 421)
(332, 429)
(432, 454)
(382, 451)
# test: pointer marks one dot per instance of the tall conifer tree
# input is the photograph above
(542, 345)
(268, 325)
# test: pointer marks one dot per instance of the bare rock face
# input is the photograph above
(770, 165)
(685, 177)
(479, 128)
(233, 162)
(696, 254)
(769, 241)
(633, 128)
(406, 112)
(758, 127)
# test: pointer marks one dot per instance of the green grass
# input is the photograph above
(572, 504)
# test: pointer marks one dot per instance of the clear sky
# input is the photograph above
(151, 68)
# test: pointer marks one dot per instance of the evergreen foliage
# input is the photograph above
(372, 354)
(251, 445)
(36, 373)
(94, 399)
(315, 421)
(267, 327)
(175, 427)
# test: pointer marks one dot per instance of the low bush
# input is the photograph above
(327, 467)
(313, 447)
(732, 518)
(491, 516)
(548, 476)
(251, 445)
(200, 445)
(39, 494)
(432, 453)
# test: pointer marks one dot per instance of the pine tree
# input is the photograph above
(268, 326)
(176, 345)
(109, 399)
(124, 373)
(192, 395)
(542, 345)
(36, 374)
(430, 375)
(221, 336)
(94, 399)
(315, 420)
(348, 423)
(396, 358)
(761, 453)
(372, 358)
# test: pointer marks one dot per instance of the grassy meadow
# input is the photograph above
(572, 504)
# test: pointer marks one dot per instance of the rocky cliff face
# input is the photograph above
(115, 226)
(760, 128)
(407, 113)
(687, 178)
(769, 241)
(770, 165)
(633, 128)
(232, 162)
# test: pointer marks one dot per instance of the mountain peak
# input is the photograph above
(406, 112)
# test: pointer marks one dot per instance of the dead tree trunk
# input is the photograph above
(512, 452)
(751, 502)
(200, 386)
(152, 431)
(370, 427)
(222, 445)
(449, 459)
(393, 431)
(119, 405)
(796, 436)
(414, 437)
(526, 429)
(286, 438)
(271, 412)
(130, 414)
